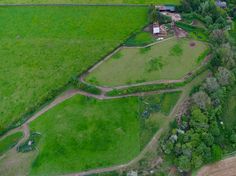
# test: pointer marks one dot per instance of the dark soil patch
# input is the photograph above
(192, 44)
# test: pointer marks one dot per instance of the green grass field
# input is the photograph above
(42, 48)
(90, 1)
(84, 133)
(230, 110)
(168, 60)
(9, 142)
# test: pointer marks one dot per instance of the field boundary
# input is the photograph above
(71, 5)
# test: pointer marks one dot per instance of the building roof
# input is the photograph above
(156, 28)
(167, 8)
(221, 4)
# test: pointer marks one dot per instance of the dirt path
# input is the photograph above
(225, 167)
(70, 93)
(152, 142)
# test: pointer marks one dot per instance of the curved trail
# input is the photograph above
(67, 95)
(152, 142)
(70, 93)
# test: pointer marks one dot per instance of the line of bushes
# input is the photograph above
(145, 88)
(87, 88)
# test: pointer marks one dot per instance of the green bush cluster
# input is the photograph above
(145, 88)
(9, 142)
(30, 144)
(87, 88)
(194, 32)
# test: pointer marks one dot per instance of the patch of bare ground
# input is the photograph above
(15, 163)
(225, 167)
(180, 33)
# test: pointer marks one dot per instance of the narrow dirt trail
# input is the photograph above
(69, 94)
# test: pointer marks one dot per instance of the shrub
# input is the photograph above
(88, 88)
(30, 144)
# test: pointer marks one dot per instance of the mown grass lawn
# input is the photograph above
(91, 1)
(167, 60)
(9, 142)
(42, 48)
(84, 133)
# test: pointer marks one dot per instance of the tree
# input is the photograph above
(208, 20)
(152, 14)
(163, 19)
(218, 37)
(196, 161)
(233, 138)
(214, 129)
(198, 120)
(201, 99)
(221, 23)
(225, 76)
(211, 84)
(208, 139)
(184, 163)
(228, 55)
(216, 153)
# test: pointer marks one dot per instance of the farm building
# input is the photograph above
(221, 4)
(166, 8)
(158, 30)
(155, 28)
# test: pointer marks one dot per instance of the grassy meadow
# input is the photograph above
(9, 141)
(90, 1)
(43, 48)
(84, 133)
(168, 60)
